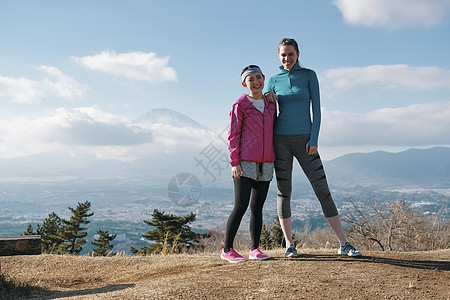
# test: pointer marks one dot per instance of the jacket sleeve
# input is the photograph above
(316, 113)
(270, 85)
(234, 134)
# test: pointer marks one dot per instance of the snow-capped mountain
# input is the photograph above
(169, 117)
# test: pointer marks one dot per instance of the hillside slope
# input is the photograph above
(317, 274)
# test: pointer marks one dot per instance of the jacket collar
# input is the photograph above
(295, 68)
(246, 102)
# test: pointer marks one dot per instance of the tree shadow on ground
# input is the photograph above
(48, 295)
(416, 264)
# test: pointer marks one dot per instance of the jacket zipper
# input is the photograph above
(263, 146)
(290, 83)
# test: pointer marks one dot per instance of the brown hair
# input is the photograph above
(288, 42)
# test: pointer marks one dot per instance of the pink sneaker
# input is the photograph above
(257, 254)
(232, 256)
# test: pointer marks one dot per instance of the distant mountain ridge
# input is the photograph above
(423, 167)
(413, 167)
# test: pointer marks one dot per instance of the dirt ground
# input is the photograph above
(317, 274)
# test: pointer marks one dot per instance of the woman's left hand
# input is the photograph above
(271, 97)
(311, 150)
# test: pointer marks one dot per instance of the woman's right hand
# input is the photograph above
(236, 171)
(311, 150)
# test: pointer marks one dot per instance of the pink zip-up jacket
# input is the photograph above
(251, 132)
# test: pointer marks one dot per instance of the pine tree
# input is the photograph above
(272, 236)
(277, 234)
(52, 239)
(169, 229)
(103, 243)
(266, 238)
(30, 230)
(73, 232)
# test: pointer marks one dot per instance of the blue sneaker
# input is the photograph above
(348, 250)
(291, 252)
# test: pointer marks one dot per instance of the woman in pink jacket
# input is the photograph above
(252, 160)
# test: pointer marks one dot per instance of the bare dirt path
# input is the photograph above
(317, 274)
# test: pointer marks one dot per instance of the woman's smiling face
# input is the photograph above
(255, 83)
(288, 56)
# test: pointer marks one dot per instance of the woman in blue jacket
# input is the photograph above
(295, 135)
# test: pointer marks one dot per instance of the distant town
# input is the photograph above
(121, 206)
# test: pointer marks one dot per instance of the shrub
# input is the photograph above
(397, 227)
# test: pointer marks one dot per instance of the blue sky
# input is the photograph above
(383, 67)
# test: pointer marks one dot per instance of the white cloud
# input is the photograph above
(68, 128)
(168, 135)
(390, 76)
(22, 90)
(90, 130)
(415, 125)
(393, 14)
(63, 86)
(92, 127)
(132, 65)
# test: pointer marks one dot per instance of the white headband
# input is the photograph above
(250, 71)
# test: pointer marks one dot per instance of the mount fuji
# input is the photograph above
(169, 117)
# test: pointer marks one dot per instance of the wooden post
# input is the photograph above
(20, 245)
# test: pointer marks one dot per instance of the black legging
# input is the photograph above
(243, 187)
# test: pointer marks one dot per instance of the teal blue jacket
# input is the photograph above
(298, 93)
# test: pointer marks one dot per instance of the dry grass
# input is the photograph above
(317, 274)
(10, 288)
